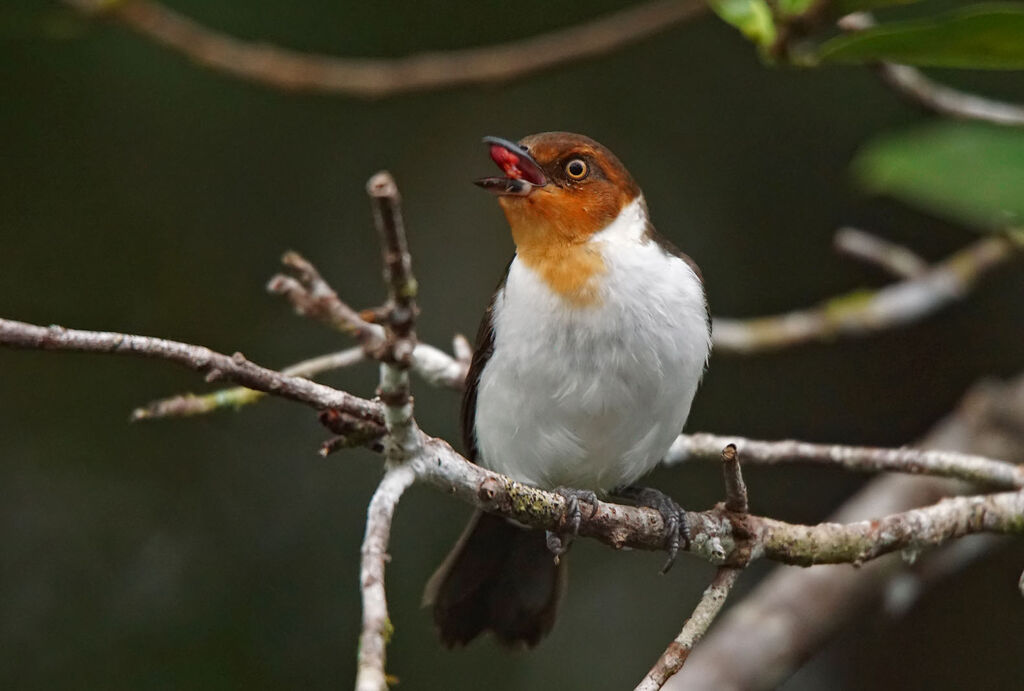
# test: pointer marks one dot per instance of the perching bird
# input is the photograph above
(587, 361)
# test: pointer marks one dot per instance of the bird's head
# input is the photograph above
(558, 188)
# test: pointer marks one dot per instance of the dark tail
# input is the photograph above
(500, 578)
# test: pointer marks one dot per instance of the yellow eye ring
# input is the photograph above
(577, 169)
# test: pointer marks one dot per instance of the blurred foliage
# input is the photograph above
(969, 173)
(752, 17)
(986, 36)
(980, 36)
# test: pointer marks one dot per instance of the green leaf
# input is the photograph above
(987, 36)
(752, 17)
(970, 173)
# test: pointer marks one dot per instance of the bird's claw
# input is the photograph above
(573, 512)
(558, 542)
(677, 533)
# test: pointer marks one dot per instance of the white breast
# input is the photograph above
(592, 396)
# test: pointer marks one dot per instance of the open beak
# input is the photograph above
(522, 173)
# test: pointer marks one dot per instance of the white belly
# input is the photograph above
(592, 396)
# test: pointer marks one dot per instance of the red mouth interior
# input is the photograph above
(507, 161)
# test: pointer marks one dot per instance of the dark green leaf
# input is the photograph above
(988, 36)
(970, 173)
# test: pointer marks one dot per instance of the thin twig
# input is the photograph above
(402, 441)
(674, 657)
(435, 366)
(292, 70)
(313, 297)
(865, 459)
(377, 628)
(235, 368)
(736, 499)
(912, 85)
(900, 261)
(401, 309)
(188, 404)
(396, 352)
(864, 312)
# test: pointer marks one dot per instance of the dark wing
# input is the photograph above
(652, 233)
(482, 354)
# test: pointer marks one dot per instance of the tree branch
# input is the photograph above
(913, 86)
(863, 312)
(402, 441)
(189, 404)
(313, 297)
(700, 446)
(718, 535)
(215, 365)
(377, 628)
(674, 657)
(736, 500)
(291, 70)
(896, 259)
(863, 459)
(396, 351)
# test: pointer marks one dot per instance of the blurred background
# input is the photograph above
(140, 193)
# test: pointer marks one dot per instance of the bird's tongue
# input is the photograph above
(515, 166)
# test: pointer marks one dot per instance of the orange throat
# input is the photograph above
(557, 248)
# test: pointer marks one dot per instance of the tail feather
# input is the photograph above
(499, 578)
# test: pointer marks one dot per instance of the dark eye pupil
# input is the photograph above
(576, 168)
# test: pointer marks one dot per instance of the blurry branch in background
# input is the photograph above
(793, 613)
(865, 311)
(378, 77)
(725, 535)
(912, 85)
(915, 87)
(899, 261)
(293, 70)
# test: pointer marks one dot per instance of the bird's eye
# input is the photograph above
(577, 169)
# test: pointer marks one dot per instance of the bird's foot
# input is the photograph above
(676, 531)
(558, 542)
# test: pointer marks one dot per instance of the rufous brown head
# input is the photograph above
(558, 187)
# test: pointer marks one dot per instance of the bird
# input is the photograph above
(587, 361)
